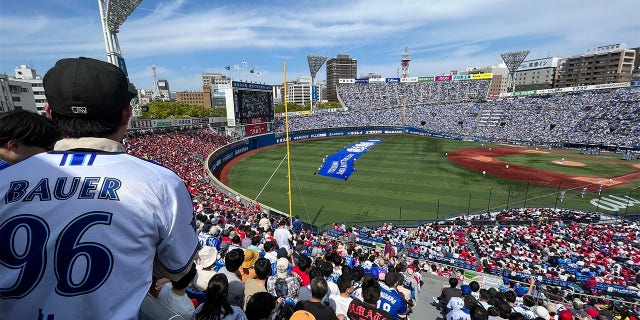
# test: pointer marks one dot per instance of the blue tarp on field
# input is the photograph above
(340, 165)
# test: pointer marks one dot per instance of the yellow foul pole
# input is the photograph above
(286, 126)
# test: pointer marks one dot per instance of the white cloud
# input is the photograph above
(199, 35)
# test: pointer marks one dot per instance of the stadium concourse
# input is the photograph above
(577, 260)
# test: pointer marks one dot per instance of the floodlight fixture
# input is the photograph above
(513, 60)
(315, 63)
(113, 13)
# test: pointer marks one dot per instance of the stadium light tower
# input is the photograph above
(113, 13)
(405, 63)
(315, 62)
(513, 60)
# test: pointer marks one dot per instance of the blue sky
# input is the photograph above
(186, 38)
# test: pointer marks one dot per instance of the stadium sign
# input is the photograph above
(346, 80)
(480, 76)
(392, 80)
(459, 77)
(442, 78)
(409, 79)
(426, 79)
(614, 203)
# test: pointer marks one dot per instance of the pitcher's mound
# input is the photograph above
(569, 163)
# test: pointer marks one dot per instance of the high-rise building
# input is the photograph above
(163, 90)
(26, 74)
(340, 67)
(215, 79)
(606, 64)
(298, 91)
(6, 100)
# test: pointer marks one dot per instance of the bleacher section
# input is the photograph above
(609, 117)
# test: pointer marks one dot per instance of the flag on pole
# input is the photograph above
(244, 63)
(259, 73)
(236, 67)
(253, 70)
(227, 68)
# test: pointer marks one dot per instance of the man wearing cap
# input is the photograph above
(86, 220)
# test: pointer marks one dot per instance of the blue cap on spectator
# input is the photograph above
(520, 291)
(466, 289)
(506, 280)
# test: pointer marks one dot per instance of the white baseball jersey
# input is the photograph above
(79, 232)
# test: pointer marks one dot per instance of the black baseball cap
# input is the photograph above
(87, 88)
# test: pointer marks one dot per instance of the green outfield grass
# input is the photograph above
(404, 177)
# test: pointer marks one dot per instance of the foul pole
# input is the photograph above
(286, 126)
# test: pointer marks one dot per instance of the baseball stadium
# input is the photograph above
(435, 197)
(467, 187)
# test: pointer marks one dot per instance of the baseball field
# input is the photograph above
(416, 178)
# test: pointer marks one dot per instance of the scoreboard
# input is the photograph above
(250, 106)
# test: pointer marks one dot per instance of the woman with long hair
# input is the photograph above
(216, 305)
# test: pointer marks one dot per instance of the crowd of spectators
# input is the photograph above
(557, 244)
(610, 117)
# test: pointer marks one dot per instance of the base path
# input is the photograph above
(481, 159)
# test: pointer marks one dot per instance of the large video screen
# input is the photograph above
(252, 105)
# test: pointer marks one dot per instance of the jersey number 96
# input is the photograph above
(30, 258)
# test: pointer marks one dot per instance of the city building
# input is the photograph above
(28, 75)
(214, 79)
(163, 90)
(636, 65)
(606, 64)
(199, 98)
(22, 96)
(340, 67)
(298, 91)
(6, 100)
(499, 81)
(536, 74)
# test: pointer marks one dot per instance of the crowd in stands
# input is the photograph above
(367, 97)
(244, 251)
(610, 117)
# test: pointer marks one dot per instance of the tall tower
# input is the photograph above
(405, 63)
(156, 90)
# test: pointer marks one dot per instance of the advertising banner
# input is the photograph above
(392, 80)
(635, 83)
(409, 79)
(612, 85)
(346, 80)
(481, 76)
(255, 129)
(458, 77)
(442, 78)
(376, 80)
(314, 93)
(426, 79)
(365, 80)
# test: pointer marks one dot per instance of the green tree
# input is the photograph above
(291, 107)
(175, 110)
